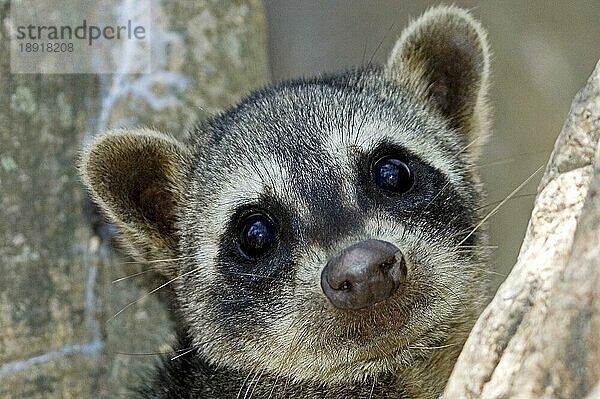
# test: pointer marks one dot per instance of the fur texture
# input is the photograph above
(303, 150)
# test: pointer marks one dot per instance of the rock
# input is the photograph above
(539, 335)
(59, 338)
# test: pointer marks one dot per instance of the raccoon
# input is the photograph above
(323, 237)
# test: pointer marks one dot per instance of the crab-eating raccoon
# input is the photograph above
(323, 237)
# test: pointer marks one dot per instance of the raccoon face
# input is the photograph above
(324, 229)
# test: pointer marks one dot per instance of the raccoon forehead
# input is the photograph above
(284, 139)
(304, 126)
(248, 182)
(427, 141)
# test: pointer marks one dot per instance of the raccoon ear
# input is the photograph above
(444, 54)
(136, 178)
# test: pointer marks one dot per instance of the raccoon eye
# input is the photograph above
(392, 174)
(257, 235)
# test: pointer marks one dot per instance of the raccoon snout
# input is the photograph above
(363, 274)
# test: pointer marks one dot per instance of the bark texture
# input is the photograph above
(540, 335)
(58, 336)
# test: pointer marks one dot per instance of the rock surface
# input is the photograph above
(539, 336)
(58, 336)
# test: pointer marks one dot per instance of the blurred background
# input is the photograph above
(543, 52)
(75, 317)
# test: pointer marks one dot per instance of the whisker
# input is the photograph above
(133, 275)
(480, 246)
(274, 385)
(372, 388)
(497, 207)
(482, 137)
(432, 347)
(254, 382)
(140, 353)
(528, 195)
(183, 353)
(433, 199)
(253, 275)
(507, 160)
(151, 353)
(389, 29)
(149, 293)
(155, 260)
(244, 383)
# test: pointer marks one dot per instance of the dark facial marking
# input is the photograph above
(431, 201)
(254, 263)
(331, 215)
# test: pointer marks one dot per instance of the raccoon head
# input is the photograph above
(323, 229)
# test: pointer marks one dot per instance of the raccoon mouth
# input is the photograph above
(377, 348)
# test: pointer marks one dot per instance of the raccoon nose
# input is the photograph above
(363, 274)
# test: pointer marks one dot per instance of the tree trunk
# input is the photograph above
(57, 298)
(540, 336)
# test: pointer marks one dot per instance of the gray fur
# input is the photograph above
(301, 149)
